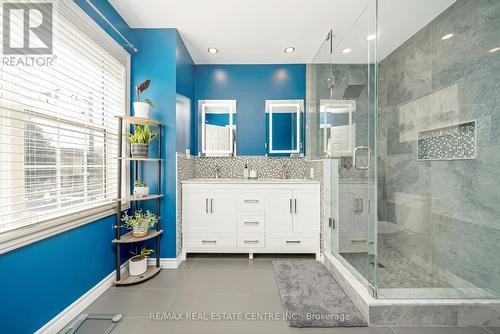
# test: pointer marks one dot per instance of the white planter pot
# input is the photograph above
(141, 109)
(141, 191)
(137, 268)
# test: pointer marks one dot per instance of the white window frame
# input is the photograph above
(299, 105)
(23, 236)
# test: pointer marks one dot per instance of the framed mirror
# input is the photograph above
(338, 127)
(218, 127)
(284, 129)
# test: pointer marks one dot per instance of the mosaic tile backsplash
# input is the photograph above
(455, 142)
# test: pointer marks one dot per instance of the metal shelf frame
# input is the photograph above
(155, 269)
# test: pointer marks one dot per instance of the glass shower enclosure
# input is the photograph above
(406, 118)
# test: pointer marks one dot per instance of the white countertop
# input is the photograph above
(253, 181)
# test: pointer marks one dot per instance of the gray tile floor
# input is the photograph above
(207, 283)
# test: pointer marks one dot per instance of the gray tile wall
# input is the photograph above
(448, 211)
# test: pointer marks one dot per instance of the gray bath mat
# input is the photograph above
(312, 298)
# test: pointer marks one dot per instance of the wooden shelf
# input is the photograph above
(129, 280)
(127, 238)
(139, 120)
(139, 159)
(133, 198)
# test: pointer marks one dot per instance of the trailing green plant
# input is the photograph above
(141, 135)
(139, 221)
(140, 89)
(145, 252)
(139, 183)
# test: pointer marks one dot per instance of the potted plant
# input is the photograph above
(140, 223)
(139, 141)
(141, 109)
(141, 189)
(138, 264)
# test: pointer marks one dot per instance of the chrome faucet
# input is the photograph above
(217, 172)
(284, 171)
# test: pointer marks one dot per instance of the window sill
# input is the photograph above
(21, 237)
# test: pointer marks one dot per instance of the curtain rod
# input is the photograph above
(130, 45)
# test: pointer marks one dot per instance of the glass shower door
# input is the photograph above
(343, 130)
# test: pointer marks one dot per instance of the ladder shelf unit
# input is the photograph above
(127, 238)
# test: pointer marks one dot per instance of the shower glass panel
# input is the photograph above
(341, 125)
(439, 151)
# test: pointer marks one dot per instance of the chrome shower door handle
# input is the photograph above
(368, 156)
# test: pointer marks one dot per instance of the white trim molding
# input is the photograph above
(24, 236)
(72, 311)
(169, 263)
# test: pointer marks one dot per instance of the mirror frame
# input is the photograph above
(202, 105)
(299, 104)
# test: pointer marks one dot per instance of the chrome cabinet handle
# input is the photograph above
(295, 201)
(355, 154)
(293, 242)
(209, 241)
(211, 205)
(361, 202)
(358, 241)
(251, 223)
(291, 206)
(251, 241)
(206, 205)
(251, 201)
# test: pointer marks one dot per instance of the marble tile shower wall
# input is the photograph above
(448, 211)
(232, 168)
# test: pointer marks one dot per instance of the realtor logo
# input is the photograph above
(27, 28)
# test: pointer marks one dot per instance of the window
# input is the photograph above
(58, 130)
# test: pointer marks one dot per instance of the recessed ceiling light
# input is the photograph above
(495, 49)
(447, 36)
(347, 50)
(371, 37)
(212, 50)
(289, 49)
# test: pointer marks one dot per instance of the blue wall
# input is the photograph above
(250, 85)
(156, 60)
(185, 87)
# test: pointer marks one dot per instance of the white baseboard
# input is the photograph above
(69, 313)
(72, 311)
(168, 263)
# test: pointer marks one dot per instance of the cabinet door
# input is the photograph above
(279, 211)
(347, 209)
(195, 209)
(222, 206)
(306, 209)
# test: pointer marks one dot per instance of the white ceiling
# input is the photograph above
(257, 31)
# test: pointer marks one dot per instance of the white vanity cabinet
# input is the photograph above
(251, 216)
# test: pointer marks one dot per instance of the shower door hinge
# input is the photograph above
(331, 223)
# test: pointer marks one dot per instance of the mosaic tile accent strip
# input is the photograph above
(456, 142)
(185, 171)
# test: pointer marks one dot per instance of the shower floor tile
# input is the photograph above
(394, 270)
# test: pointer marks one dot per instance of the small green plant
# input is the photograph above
(141, 222)
(140, 89)
(145, 252)
(141, 135)
(139, 183)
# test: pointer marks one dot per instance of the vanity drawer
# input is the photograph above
(255, 240)
(210, 242)
(298, 243)
(251, 201)
(251, 223)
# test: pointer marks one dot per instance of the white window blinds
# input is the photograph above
(58, 133)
